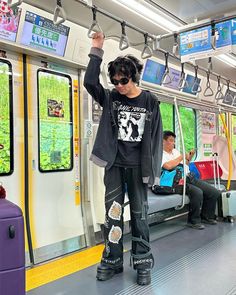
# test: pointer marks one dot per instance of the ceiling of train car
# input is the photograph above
(187, 11)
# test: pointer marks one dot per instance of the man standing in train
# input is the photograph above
(129, 145)
(202, 195)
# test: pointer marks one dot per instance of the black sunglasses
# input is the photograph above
(122, 81)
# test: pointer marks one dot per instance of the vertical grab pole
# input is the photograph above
(229, 150)
(183, 149)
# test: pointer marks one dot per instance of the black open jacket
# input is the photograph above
(105, 146)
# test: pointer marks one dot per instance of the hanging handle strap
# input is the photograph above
(175, 49)
(229, 98)
(219, 95)
(59, 11)
(208, 91)
(213, 36)
(166, 79)
(95, 25)
(196, 82)
(147, 50)
(124, 41)
(182, 82)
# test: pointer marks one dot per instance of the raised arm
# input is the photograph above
(91, 78)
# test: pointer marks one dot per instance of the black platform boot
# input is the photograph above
(105, 272)
(143, 277)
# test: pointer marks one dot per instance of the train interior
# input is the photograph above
(47, 135)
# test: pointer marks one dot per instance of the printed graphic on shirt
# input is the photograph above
(131, 121)
(115, 211)
(115, 234)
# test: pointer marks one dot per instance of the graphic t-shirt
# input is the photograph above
(130, 114)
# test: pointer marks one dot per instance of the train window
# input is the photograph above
(55, 129)
(188, 121)
(234, 133)
(6, 119)
(167, 116)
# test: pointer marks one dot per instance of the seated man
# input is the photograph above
(203, 196)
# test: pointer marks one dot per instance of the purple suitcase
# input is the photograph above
(12, 249)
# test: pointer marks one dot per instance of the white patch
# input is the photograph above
(115, 234)
(115, 211)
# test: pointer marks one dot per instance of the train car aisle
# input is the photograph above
(188, 262)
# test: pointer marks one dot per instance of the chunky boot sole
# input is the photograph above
(106, 273)
(143, 277)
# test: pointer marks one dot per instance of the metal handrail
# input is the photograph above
(59, 11)
(179, 207)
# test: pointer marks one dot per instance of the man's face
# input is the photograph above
(169, 143)
(126, 88)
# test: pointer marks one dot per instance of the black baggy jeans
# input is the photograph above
(203, 198)
(117, 180)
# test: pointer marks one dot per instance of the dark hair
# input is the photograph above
(168, 133)
(128, 65)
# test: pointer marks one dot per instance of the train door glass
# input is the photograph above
(57, 225)
(188, 121)
(234, 133)
(55, 121)
(167, 116)
(6, 118)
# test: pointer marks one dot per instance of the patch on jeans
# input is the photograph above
(115, 211)
(115, 234)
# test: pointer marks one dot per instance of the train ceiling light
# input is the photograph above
(151, 14)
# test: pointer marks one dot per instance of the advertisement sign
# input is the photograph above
(40, 33)
(208, 123)
(195, 44)
(174, 75)
(153, 72)
(223, 37)
(192, 85)
(9, 21)
(233, 34)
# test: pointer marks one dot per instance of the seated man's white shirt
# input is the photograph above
(166, 157)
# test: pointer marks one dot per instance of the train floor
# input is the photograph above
(187, 262)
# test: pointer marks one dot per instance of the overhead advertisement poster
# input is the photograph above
(9, 21)
(195, 44)
(172, 80)
(223, 38)
(40, 33)
(192, 85)
(153, 72)
(233, 34)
